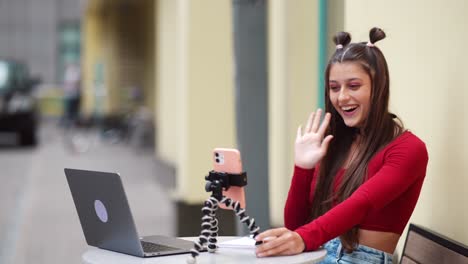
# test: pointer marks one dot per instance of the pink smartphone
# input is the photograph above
(229, 161)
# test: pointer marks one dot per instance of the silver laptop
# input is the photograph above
(106, 219)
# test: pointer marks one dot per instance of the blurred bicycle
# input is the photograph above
(135, 129)
(133, 124)
(83, 133)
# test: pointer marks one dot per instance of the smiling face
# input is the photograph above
(350, 92)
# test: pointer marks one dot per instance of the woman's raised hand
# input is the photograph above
(311, 144)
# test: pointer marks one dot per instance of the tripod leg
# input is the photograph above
(243, 217)
(209, 230)
(213, 226)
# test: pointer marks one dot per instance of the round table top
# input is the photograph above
(223, 255)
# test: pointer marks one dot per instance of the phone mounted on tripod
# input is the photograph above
(217, 181)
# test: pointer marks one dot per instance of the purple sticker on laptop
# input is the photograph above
(101, 211)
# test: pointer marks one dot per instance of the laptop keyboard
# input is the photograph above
(152, 247)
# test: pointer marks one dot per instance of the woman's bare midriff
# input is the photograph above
(384, 241)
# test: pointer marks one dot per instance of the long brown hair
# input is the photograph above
(378, 129)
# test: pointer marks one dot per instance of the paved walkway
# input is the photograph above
(38, 221)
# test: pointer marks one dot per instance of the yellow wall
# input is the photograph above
(195, 89)
(167, 105)
(335, 23)
(100, 47)
(293, 53)
(93, 51)
(425, 49)
(123, 43)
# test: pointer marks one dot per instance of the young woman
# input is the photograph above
(358, 173)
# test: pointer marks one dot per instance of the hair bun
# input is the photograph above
(342, 38)
(376, 34)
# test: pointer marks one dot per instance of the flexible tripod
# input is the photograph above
(216, 182)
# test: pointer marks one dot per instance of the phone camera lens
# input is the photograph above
(217, 160)
(216, 154)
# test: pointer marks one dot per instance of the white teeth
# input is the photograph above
(346, 108)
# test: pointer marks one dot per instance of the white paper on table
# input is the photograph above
(243, 242)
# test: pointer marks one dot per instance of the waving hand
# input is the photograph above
(311, 144)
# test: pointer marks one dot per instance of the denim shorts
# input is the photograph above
(362, 254)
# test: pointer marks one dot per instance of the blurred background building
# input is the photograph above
(206, 83)
(45, 34)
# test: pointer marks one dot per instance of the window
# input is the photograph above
(4, 75)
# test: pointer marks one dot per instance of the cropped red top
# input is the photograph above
(384, 202)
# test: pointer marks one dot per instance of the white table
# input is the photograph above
(223, 255)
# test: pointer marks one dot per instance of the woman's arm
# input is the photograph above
(297, 208)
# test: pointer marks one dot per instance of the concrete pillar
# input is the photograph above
(250, 46)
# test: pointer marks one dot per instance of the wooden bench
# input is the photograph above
(423, 246)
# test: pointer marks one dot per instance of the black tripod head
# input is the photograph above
(217, 181)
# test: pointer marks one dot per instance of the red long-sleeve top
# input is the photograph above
(384, 202)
